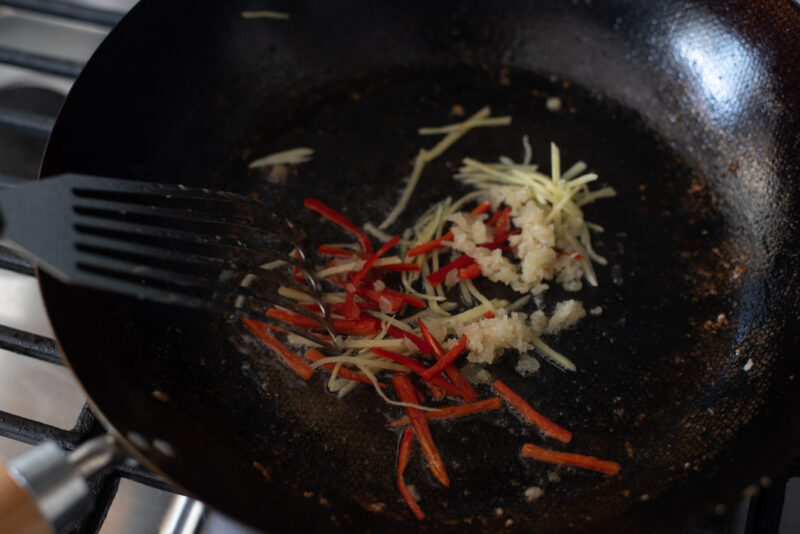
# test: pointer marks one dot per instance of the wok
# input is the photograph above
(688, 108)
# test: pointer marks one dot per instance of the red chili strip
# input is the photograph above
(338, 307)
(429, 246)
(421, 344)
(437, 277)
(448, 359)
(493, 218)
(400, 267)
(437, 393)
(420, 395)
(314, 355)
(411, 300)
(432, 245)
(375, 296)
(295, 362)
(503, 222)
(560, 254)
(449, 412)
(403, 455)
(473, 270)
(464, 387)
(339, 219)
(372, 259)
(544, 424)
(566, 458)
(368, 325)
(405, 391)
(481, 208)
(311, 335)
(499, 239)
(339, 252)
(418, 369)
(351, 310)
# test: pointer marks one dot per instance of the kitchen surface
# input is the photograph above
(56, 39)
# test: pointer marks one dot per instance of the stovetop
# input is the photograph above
(55, 38)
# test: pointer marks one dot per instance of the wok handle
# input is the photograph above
(19, 512)
(44, 489)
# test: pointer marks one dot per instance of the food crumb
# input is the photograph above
(509, 522)
(553, 104)
(278, 173)
(263, 470)
(750, 490)
(163, 447)
(376, 507)
(412, 489)
(644, 497)
(324, 502)
(533, 493)
(160, 395)
(738, 271)
(553, 476)
(138, 440)
(597, 310)
(476, 374)
(457, 110)
(505, 79)
(629, 448)
(498, 511)
(527, 365)
(308, 494)
(734, 166)
(748, 365)
(626, 493)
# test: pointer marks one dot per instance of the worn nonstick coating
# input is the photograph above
(689, 109)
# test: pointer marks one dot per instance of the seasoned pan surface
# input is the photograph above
(688, 110)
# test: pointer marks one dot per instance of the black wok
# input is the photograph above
(689, 109)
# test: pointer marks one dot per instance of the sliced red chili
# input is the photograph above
(503, 222)
(403, 455)
(405, 391)
(464, 387)
(544, 424)
(400, 267)
(418, 369)
(481, 208)
(473, 270)
(351, 310)
(449, 412)
(295, 362)
(367, 325)
(429, 246)
(565, 458)
(339, 252)
(339, 219)
(448, 359)
(421, 344)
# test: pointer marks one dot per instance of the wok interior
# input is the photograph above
(698, 240)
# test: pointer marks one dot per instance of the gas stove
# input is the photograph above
(43, 45)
